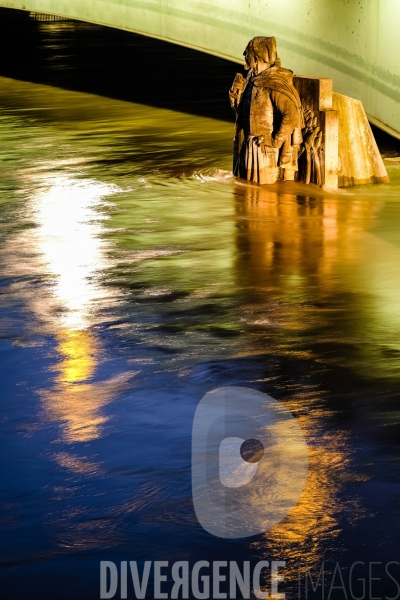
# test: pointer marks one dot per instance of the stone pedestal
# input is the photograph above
(348, 153)
(360, 161)
(316, 95)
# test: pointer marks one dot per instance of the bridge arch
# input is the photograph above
(354, 43)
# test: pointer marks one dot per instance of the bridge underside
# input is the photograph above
(352, 43)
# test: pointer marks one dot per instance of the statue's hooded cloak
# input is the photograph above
(275, 78)
(255, 115)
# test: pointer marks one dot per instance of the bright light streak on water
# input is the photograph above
(68, 238)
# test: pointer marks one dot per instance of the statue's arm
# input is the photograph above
(290, 118)
(236, 91)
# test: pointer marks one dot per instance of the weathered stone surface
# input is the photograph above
(360, 161)
(318, 165)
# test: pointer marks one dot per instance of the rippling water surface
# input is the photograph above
(136, 275)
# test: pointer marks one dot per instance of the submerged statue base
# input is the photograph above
(360, 161)
(295, 128)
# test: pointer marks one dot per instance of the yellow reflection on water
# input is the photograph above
(301, 249)
(313, 525)
(67, 239)
(74, 401)
(79, 356)
(287, 230)
(323, 248)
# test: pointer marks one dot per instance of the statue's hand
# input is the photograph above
(238, 83)
(312, 134)
(264, 142)
(312, 139)
(236, 91)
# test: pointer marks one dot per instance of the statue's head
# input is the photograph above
(260, 50)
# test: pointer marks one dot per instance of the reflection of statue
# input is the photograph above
(268, 112)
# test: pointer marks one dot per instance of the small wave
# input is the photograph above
(213, 174)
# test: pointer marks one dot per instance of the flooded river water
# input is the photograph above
(136, 275)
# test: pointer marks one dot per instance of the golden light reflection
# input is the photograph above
(79, 356)
(68, 241)
(297, 234)
(78, 406)
(313, 525)
(322, 248)
(288, 244)
(74, 401)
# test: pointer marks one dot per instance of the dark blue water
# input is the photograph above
(136, 275)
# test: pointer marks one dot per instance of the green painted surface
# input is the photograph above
(354, 42)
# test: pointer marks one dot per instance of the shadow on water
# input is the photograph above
(118, 64)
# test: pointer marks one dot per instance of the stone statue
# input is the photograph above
(297, 128)
(268, 115)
